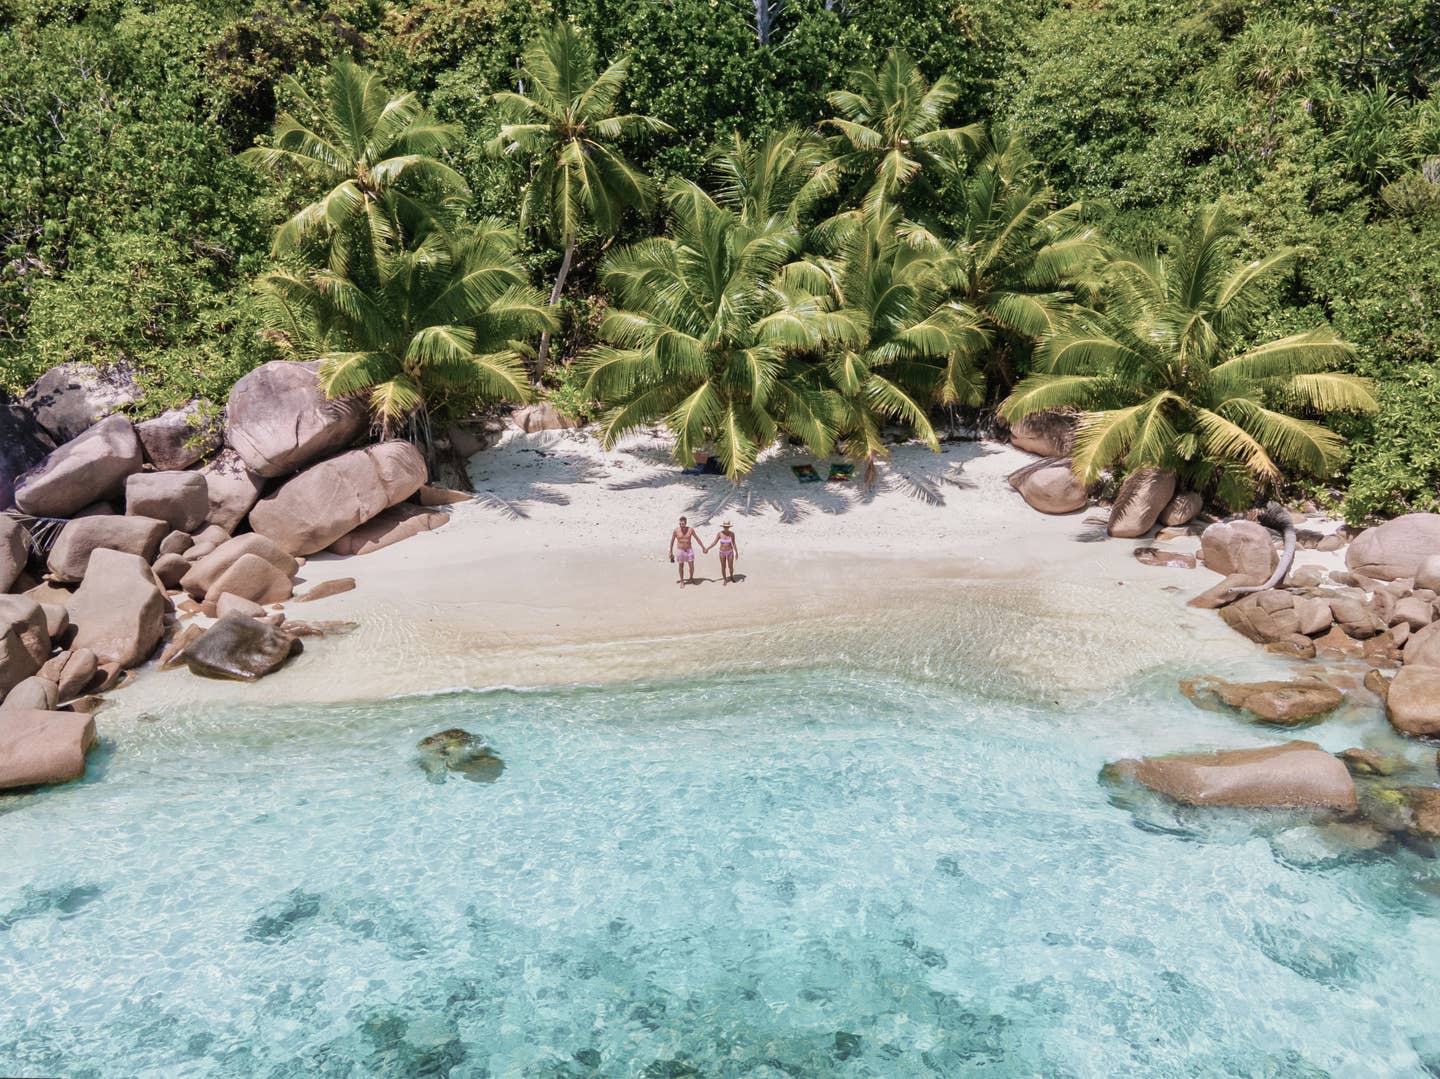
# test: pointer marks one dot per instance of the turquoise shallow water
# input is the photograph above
(818, 873)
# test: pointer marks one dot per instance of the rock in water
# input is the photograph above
(1396, 548)
(279, 418)
(1138, 503)
(43, 747)
(71, 397)
(91, 468)
(459, 751)
(315, 508)
(241, 648)
(1412, 702)
(1296, 775)
(1283, 703)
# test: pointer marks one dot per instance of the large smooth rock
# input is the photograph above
(77, 673)
(178, 438)
(314, 509)
(1422, 648)
(71, 397)
(1050, 486)
(1356, 617)
(1182, 509)
(43, 747)
(13, 552)
(26, 618)
(1239, 547)
(1138, 503)
(1283, 703)
(1412, 702)
(1413, 612)
(206, 571)
(1427, 573)
(541, 417)
(118, 610)
(70, 557)
(33, 694)
(23, 445)
(279, 419)
(1296, 775)
(91, 468)
(180, 499)
(1396, 548)
(1263, 616)
(241, 648)
(1046, 434)
(233, 489)
(250, 577)
(397, 523)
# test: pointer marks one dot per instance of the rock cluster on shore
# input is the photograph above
(1381, 613)
(183, 516)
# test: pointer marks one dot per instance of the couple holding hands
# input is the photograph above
(682, 550)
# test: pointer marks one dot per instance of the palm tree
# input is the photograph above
(909, 346)
(709, 318)
(414, 323)
(567, 126)
(1163, 379)
(1018, 261)
(773, 182)
(889, 128)
(363, 144)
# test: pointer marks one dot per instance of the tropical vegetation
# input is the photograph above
(1213, 229)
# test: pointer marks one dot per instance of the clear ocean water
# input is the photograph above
(812, 873)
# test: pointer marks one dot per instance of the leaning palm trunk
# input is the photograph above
(565, 265)
(1275, 517)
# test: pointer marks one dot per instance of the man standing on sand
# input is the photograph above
(685, 537)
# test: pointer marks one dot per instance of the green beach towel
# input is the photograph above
(805, 473)
(840, 473)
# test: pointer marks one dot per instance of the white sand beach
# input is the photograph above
(558, 574)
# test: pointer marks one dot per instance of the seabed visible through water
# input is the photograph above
(812, 871)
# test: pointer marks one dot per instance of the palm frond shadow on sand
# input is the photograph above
(912, 470)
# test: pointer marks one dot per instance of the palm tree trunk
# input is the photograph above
(565, 265)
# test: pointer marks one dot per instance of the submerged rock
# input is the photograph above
(1283, 703)
(1296, 775)
(459, 751)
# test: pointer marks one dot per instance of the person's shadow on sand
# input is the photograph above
(736, 578)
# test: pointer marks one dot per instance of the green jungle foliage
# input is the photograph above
(996, 184)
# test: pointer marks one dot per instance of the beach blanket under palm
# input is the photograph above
(840, 473)
(805, 473)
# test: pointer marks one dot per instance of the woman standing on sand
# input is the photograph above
(725, 540)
